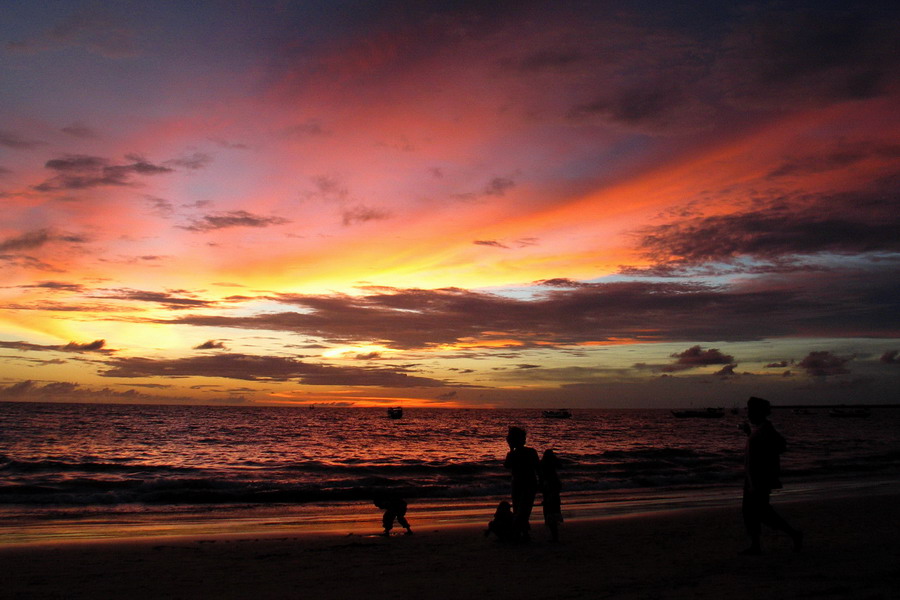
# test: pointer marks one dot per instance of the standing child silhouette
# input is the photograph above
(523, 464)
(550, 492)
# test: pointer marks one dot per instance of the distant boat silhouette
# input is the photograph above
(557, 414)
(859, 413)
(395, 412)
(705, 413)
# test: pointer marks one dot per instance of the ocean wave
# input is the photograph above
(140, 456)
(10, 465)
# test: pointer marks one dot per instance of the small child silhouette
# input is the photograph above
(551, 488)
(502, 524)
(394, 508)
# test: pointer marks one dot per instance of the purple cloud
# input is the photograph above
(235, 218)
(265, 368)
(80, 172)
(824, 364)
(695, 356)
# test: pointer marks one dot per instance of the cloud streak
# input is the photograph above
(231, 219)
(266, 368)
(81, 172)
(95, 346)
(591, 313)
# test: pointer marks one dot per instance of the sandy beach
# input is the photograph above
(852, 551)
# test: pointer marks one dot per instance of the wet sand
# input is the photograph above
(852, 551)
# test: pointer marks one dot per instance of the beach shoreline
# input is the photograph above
(29, 525)
(851, 552)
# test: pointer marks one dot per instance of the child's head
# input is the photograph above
(379, 502)
(758, 409)
(516, 437)
(550, 459)
(504, 507)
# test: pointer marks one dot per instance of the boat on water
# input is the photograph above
(557, 414)
(703, 413)
(395, 412)
(858, 413)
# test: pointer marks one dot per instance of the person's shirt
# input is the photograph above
(762, 460)
(394, 505)
(524, 463)
(549, 479)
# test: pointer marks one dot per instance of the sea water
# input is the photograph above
(90, 470)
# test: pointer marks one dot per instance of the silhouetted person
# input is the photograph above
(502, 525)
(523, 463)
(394, 508)
(761, 476)
(550, 490)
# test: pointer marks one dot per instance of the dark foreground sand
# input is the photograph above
(852, 551)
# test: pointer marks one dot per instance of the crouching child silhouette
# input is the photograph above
(502, 524)
(394, 509)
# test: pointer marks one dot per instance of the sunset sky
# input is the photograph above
(579, 204)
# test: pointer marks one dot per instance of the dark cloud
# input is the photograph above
(780, 364)
(14, 141)
(806, 55)
(839, 158)
(211, 345)
(650, 106)
(160, 206)
(824, 363)
(17, 389)
(95, 346)
(492, 243)
(63, 391)
(332, 189)
(362, 214)
(88, 347)
(235, 218)
(265, 368)
(169, 299)
(26, 241)
(695, 356)
(727, 371)
(55, 285)
(78, 172)
(561, 282)
(520, 243)
(847, 223)
(844, 304)
(31, 240)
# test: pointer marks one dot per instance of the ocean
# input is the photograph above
(75, 471)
